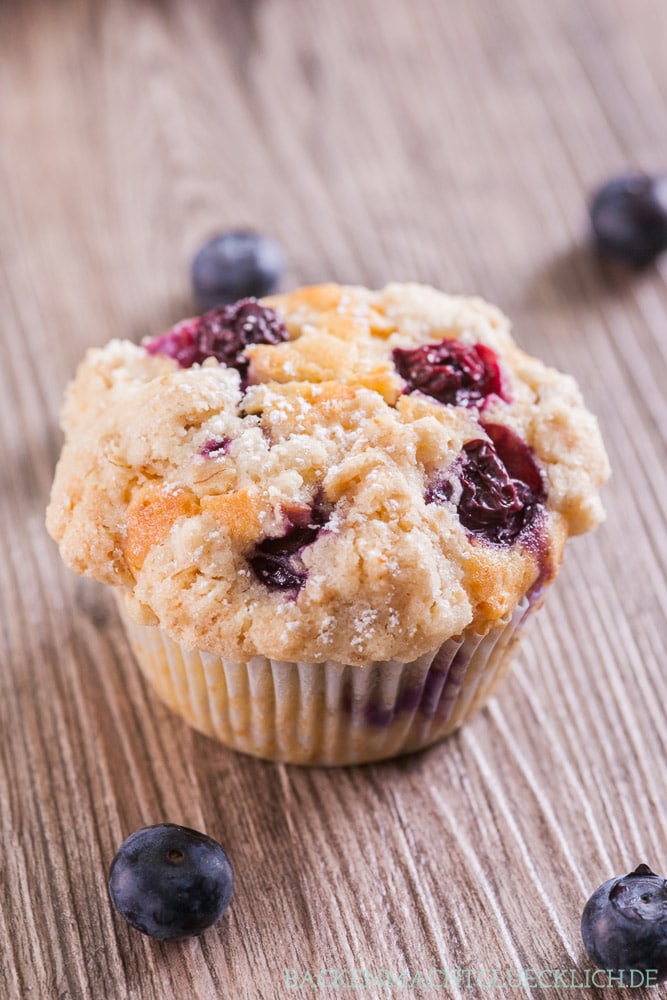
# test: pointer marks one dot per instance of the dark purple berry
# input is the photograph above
(517, 457)
(179, 343)
(170, 882)
(624, 924)
(277, 562)
(221, 333)
(451, 371)
(629, 218)
(235, 265)
(497, 486)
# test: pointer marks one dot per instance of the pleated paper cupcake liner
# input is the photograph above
(328, 713)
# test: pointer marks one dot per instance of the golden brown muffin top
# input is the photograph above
(332, 474)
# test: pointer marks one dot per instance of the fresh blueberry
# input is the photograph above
(170, 882)
(236, 265)
(629, 218)
(624, 924)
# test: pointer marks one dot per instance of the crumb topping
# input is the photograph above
(347, 475)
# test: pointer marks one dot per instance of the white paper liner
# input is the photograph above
(328, 713)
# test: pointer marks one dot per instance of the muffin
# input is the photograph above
(326, 515)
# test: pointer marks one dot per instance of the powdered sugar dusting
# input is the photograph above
(324, 442)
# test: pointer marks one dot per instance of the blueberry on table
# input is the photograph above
(170, 882)
(629, 218)
(235, 265)
(624, 924)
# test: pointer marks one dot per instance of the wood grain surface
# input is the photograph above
(446, 142)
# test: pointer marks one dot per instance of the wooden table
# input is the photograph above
(447, 142)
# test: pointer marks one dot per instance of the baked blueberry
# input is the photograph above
(629, 218)
(235, 265)
(170, 882)
(451, 371)
(277, 562)
(215, 447)
(624, 924)
(222, 333)
(497, 486)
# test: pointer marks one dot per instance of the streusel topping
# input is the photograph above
(333, 474)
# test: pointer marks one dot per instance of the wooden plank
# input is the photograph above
(449, 143)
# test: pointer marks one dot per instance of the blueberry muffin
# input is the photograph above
(327, 514)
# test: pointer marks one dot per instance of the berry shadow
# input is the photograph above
(582, 278)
